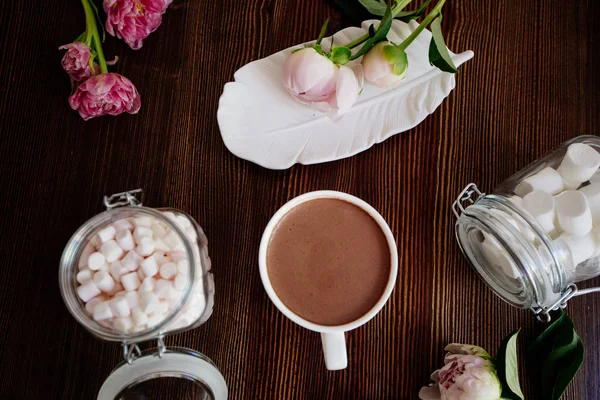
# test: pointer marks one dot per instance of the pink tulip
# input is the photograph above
(105, 94)
(314, 80)
(380, 68)
(134, 20)
(76, 61)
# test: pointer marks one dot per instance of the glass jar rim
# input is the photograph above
(71, 254)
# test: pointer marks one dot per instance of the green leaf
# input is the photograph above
(81, 38)
(375, 7)
(323, 31)
(555, 357)
(340, 55)
(378, 34)
(507, 367)
(406, 16)
(438, 52)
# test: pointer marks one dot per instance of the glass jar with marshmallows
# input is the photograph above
(133, 274)
(538, 234)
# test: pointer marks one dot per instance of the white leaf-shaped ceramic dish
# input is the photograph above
(262, 123)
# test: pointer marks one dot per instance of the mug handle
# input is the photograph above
(334, 350)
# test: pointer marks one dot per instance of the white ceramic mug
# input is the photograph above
(334, 343)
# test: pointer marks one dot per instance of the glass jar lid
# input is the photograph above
(169, 373)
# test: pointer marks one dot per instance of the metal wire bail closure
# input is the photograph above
(469, 195)
(129, 198)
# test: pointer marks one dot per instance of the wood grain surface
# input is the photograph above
(533, 84)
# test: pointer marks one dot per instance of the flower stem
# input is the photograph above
(430, 17)
(92, 31)
(395, 11)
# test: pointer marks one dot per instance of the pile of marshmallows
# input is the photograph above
(566, 204)
(133, 272)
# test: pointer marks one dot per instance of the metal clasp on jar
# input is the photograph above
(469, 195)
(129, 198)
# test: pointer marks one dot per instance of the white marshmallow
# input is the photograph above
(84, 275)
(104, 281)
(111, 250)
(595, 178)
(547, 180)
(162, 307)
(88, 291)
(573, 212)
(120, 293)
(178, 256)
(123, 324)
(143, 221)
(570, 185)
(139, 317)
(131, 261)
(183, 267)
(130, 281)
(541, 206)
(85, 254)
(102, 311)
(169, 215)
(516, 200)
(123, 224)
(172, 240)
(132, 299)
(159, 229)
(580, 163)
(162, 288)
(107, 233)
(96, 261)
(142, 232)
(120, 307)
(117, 270)
(118, 288)
(168, 270)
(180, 282)
(155, 319)
(159, 245)
(596, 236)
(190, 232)
(174, 297)
(147, 285)
(159, 257)
(125, 240)
(149, 266)
(592, 193)
(148, 302)
(581, 247)
(141, 274)
(89, 306)
(139, 328)
(198, 302)
(493, 252)
(145, 246)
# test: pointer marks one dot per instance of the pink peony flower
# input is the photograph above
(134, 20)
(315, 80)
(76, 61)
(105, 94)
(468, 374)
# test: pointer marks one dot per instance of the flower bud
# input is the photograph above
(76, 61)
(385, 64)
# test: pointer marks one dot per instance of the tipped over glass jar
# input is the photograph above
(133, 274)
(538, 233)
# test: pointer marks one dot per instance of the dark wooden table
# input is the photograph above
(533, 84)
